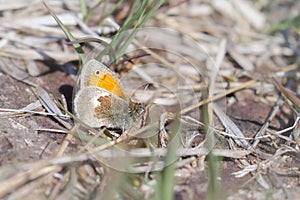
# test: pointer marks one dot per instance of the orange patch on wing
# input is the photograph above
(107, 82)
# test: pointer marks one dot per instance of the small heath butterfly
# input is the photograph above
(101, 100)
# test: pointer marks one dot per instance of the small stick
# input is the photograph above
(219, 96)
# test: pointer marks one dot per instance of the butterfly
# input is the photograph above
(101, 100)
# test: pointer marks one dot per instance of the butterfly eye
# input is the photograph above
(97, 72)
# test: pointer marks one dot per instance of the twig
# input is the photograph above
(217, 97)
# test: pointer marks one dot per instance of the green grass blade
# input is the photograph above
(287, 23)
(114, 7)
(213, 164)
(142, 20)
(84, 10)
(165, 179)
(68, 34)
(97, 40)
(141, 12)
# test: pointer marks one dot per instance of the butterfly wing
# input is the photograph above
(98, 107)
(96, 74)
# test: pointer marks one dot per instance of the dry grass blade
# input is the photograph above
(218, 62)
(143, 153)
(13, 5)
(27, 109)
(293, 98)
(218, 96)
(267, 122)
(265, 164)
(129, 134)
(19, 179)
(240, 59)
(254, 17)
(36, 55)
(231, 128)
(16, 72)
(51, 107)
(47, 20)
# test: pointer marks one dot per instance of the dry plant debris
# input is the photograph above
(256, 127)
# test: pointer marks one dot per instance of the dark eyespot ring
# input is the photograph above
(97, 72)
